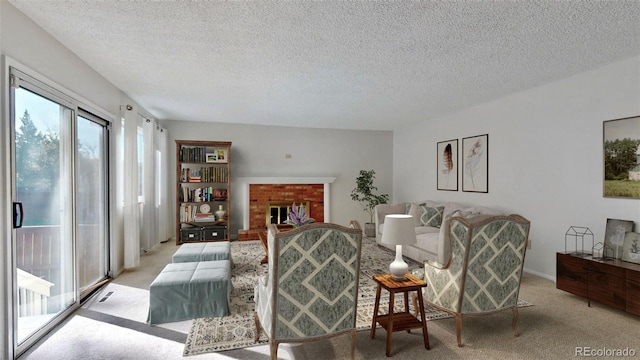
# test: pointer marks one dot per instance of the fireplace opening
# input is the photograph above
(278, 211)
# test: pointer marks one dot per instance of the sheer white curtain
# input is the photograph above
(129, 182)
(156, 223)
(163, 214)
(142, 187)
(148, 235)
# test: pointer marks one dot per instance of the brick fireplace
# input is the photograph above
(261, 195)
(258, 193)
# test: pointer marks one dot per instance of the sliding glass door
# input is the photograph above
(91, 201)
(59, 184)
(42, 183)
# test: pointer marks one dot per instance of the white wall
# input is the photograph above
(29, 44)
(258, 151)
(545, 156)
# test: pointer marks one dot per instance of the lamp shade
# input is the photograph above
(398, 230)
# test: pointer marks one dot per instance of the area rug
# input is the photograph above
(238, 329)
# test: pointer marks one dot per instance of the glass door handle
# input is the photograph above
(18, 215)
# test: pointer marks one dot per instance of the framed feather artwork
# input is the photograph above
(475, 163)
(447, 165)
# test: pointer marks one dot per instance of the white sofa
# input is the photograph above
(432, 242)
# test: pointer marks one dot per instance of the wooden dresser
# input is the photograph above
(615, 283)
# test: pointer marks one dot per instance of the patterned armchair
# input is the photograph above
(311, 290)
(484, 272)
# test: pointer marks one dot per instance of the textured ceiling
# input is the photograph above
(335, 64)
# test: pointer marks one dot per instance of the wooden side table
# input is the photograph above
(262, 235)
(393, 321)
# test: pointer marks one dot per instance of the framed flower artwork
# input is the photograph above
(631, 247)
(615, 233)
(475, 163)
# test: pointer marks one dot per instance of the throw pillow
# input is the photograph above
(416, 212)
(432, 216)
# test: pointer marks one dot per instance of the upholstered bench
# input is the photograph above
(190, 290)
(205, 251)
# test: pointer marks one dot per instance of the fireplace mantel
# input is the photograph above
(244, 182)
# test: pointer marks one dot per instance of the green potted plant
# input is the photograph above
(363, 193)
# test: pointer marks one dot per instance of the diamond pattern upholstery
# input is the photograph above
(311, 289)
(431, 216)
(484, 272)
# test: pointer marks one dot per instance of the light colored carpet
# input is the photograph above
(130, 303)
(554, 328)
(238, 330)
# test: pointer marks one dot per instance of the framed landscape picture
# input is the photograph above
(447, 165)
(621, 145)
(475, 163)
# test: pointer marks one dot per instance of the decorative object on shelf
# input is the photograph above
(219, 156)
(577, 233)
(601, 252)
(447, 165)
(205, 208)
(220, 213)
(363, 193)
(204, 214)
(298, 216)
(475, 163)
(220, 194)
(621, 143)
(615, 233)
(398, 230)
(631, 247)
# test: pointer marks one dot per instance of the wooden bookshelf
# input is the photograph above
(203, 186)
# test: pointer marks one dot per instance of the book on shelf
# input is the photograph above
(202, 194)
(193, 154)
(188, 213)
(194, 175)
(205, 174)
(204, 218)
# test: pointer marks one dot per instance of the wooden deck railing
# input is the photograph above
(33, 294)
(40, 252)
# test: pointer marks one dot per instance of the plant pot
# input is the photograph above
(370, 229)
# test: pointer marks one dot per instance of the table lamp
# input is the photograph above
(398, 230)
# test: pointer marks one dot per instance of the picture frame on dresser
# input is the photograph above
(447, 165)
(614, 235)
(631, 247)
(475, 163)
